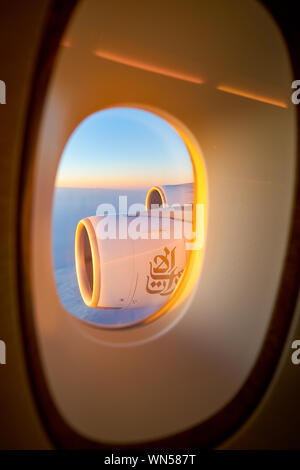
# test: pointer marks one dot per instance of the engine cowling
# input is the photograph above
(139, 263)
(168, 195)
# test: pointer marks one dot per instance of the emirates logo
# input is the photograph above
(164, 274)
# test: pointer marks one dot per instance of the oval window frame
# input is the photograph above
(231, 417)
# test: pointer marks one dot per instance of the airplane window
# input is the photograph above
(143, 135)
(122, 216)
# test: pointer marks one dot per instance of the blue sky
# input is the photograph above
(124, 148)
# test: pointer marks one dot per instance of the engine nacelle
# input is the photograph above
(137, 263)
(168, 195)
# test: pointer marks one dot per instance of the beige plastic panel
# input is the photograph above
(138, 384)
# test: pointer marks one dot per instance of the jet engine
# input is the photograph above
(135, 261)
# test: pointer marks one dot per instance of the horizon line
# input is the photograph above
(120, 187)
